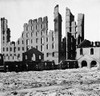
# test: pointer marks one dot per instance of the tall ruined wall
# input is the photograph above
(32, 36)
(80, 29)
(58, 32)
(70, 34)
(74, 33)
(5, 36)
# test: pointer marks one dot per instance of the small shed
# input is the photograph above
(33, 55)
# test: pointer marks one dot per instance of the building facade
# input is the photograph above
(33, 55)
(34, 35)
(74, 33)
(50, 43)
(88, 54)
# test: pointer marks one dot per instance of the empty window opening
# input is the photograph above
(46, 39)
(53, 54)
(18, 41)
(23, 48)
(33, 57)
(3, 38)
(81, 51)
(3, 49)
(42, 40)
(39, 56)
(52, 38)
(36, 40)
(31, 41)
(47, 46)
(91, 51)
(10, 49)
(42, 47)
(22, 42)
(93, 63)
(47, 54)
(26, 57)
(52, 45)
(18, 48)
(36, 33)
(37, 47)
(84, 63)
(27, 42)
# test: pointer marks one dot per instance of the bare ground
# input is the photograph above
(71, 82)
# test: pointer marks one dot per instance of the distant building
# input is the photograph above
(74, 33)
(88, 54)
(58, 33)
(35, 36)
(33, 55)
(32, 37)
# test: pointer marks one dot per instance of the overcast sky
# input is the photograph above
(19, 12)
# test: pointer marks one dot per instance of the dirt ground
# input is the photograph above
(70, 82)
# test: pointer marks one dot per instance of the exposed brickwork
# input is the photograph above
(36, 35)
(74, 33)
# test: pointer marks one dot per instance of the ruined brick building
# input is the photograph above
(74, 33)
(48, 44)
(88, 54)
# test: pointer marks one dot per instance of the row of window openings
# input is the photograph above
(18, 56)
(31, 27)
(14, 49)
(42, 32)
(53, 54)
(37, 40)
(4, 38)
(12, 55)
(33, 57)
(19, 48)
(47, 47)
(27, 34)
(37, 26)
(42, 40)
(91, 51)
(42, 48)
(19, 42)
(27, 41)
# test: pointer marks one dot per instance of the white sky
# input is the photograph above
(19, 12)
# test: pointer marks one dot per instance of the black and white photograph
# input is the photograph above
(49, 48)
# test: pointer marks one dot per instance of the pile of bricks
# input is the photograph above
(71, 82)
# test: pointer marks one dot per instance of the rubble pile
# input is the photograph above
(73, 82)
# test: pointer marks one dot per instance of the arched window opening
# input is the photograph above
(84, 63)
(27, 42)
(33, 57)
(26, 57)
(52, 45)
(39, 56)
(91, 51)
(93, 63)
(81, 51)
